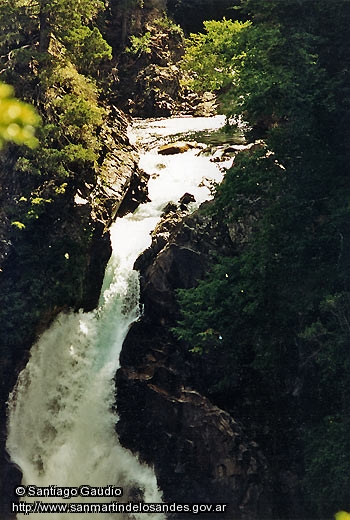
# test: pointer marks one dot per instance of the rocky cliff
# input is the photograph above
(148, 48)
(200, 453)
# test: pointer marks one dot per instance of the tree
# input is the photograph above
(51, 53)
(59, 23)
(286, 284)
(209, 57)
(17, 120)
(50, 50)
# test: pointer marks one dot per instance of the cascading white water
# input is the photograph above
(61, 428)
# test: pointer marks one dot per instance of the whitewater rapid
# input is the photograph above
(61, 425)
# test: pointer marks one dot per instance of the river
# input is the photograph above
(61, 427)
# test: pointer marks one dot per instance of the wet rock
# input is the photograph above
(99, 254)
(189, 243)
(186, 199)
(176, 267)
(175, 148)
(136, 194)
(171, 207)
(199, 452)
(121, 185)
(149, 83)
(12, 477)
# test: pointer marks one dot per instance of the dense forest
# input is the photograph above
(273, 315)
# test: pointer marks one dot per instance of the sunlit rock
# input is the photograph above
(177, 147)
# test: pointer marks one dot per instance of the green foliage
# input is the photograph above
(145, 44)
(87, 49)
(78, 119)
(327, 462)
(65, 79)
(342, 515)
(17, 120)
(50, 52)
(69, 138)
(209, 56)
(59, 26)
(275, 314)
(18, 225)
(64, 15)
(261, 74)
(78, 116)
(168, 25)
(213, 316)
(140, 44)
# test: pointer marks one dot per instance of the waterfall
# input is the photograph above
(61, 427)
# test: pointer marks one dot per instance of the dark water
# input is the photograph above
(224, 136)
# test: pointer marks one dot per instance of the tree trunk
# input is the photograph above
(44, 27)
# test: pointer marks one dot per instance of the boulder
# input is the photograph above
(174, 148)
(186, 199)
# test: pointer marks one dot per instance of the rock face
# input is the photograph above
(148, 76)
(121, 186)
(154, 92)
(199, 452)
(148, 73)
